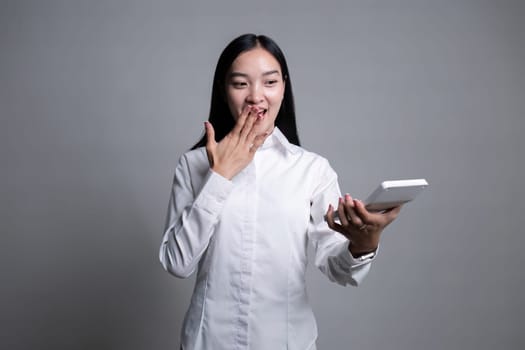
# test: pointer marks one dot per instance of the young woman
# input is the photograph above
(245, 203)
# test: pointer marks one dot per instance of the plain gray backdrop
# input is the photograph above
(98, 99)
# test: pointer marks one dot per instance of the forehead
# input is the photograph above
(255, 61)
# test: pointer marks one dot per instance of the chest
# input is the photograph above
(275, 189)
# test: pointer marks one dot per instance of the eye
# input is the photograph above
(238, 84)
(271, 82)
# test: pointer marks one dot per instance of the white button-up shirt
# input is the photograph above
(248, 240)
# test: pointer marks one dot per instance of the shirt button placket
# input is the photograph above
(247, 249)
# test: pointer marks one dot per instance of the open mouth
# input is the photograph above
(261, 112)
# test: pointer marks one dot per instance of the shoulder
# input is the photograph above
(195, 156)
(193, 161)
(313, 163)
(316, 172)
(309, 156)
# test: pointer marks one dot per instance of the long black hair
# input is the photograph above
(220, 115)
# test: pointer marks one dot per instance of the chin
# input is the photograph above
(264, 126)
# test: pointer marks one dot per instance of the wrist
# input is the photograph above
(222, 172)
(358, 251)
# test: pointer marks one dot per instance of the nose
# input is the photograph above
(256, 94)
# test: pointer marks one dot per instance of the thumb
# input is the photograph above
(210, 142)
(392, 214)
(210, 134)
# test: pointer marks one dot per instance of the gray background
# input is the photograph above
(98, 99)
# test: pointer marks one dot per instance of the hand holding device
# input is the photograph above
(390, 194)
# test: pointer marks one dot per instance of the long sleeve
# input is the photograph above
(332, 256)
(193, 211)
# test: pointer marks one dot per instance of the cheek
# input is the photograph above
(235, 103)
(276, 97)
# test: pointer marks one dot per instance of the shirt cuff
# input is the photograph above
(349, 259)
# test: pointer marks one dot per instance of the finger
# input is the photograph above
(241, 120)
(364, 215)
(329, 217)
(348, 203)
(343, 218)
(355, 219)
(248, 125)
(351, 212)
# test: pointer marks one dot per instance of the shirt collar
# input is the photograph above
(277, 138)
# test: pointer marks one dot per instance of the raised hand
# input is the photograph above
(361, 227)
(237, 149)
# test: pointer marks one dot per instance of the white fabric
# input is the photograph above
(248, 240)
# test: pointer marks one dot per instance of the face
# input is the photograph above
(255, 79)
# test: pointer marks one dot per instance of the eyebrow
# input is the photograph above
(239, 74)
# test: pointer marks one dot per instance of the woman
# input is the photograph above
(244, 207)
